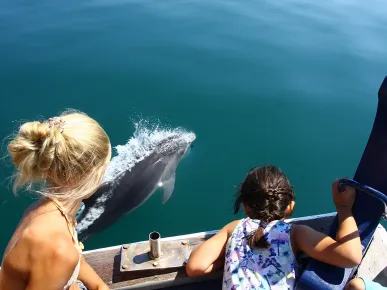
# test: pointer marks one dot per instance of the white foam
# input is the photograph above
(93, 213)
(145, 140)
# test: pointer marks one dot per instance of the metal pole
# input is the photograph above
(155, 245)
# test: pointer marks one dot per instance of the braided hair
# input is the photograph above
(266, 193)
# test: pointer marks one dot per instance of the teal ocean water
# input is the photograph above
(292, 83)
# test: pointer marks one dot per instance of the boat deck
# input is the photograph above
(106, 263)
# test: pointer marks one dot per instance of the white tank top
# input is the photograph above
(274, 268)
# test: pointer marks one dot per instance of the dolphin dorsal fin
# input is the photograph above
(168, 187)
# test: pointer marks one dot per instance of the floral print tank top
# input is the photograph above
(273, 268)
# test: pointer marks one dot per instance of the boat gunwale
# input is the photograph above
(211, 232)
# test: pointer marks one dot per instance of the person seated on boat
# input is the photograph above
(363, 284)
(63, 159)
(259, 252)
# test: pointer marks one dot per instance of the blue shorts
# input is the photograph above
(371, 285)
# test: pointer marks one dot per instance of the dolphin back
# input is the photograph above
(115, 199)
(146, 163)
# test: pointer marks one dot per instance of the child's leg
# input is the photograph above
(363, 284)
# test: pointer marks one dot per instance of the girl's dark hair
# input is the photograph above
(266, 193)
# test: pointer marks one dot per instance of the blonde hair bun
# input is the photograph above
(66, 153)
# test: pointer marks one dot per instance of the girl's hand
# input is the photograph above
(345, 199)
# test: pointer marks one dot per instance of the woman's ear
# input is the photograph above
(290, 209)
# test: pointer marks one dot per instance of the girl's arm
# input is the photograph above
(346, 250)
(209, 256)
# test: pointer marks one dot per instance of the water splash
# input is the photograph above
(146, 139)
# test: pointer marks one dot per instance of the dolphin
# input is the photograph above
(132, 188)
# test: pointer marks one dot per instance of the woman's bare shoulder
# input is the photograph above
(49, 259)
(37, 250)
(52, 245)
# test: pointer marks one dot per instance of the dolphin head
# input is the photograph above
(170, 151)
(176, 145)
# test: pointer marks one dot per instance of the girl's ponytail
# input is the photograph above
(257, 239)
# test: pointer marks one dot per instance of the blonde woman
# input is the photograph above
(64, 160)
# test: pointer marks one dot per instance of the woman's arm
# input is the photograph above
(209, 256)
(346, 250)
(90, 278)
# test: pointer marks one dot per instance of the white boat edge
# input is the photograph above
(192, 235)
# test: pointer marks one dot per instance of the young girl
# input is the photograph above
(259, 252)
(67, 157)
